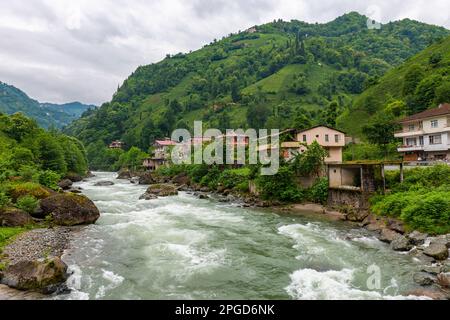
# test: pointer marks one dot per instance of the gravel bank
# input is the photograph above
(37, 244)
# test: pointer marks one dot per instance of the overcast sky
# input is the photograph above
(63, 50)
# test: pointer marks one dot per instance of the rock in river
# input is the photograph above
(401, 244)
(437, 250)
(424, 279)
(388, 235)
(13, 217)
(417, 238)
(65, 184)
(160, 190)
(104, 184)
(70, 209)
(43, 275)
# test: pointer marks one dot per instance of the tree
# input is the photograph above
(51, 154)
(257, 115)
(443, 93)
(235, 92)
(413, 76)
(381, 130)
(426, 92)
(132, 159)
(331, 113)
(310, 162)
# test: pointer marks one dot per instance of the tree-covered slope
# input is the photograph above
(284, 74)
(47, 115)
(422, 82)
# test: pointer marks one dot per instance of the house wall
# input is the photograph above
(319, 134)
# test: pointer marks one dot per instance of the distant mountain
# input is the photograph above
(277, 75)
(75, 109)
(13, 100)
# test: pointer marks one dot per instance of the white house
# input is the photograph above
(426, 135)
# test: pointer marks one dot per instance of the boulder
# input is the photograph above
(205, 189)
(160, 190)
(388, 235)
(437, 250)
(70, 209)
(65, 184)
(124, 174)
(74, 177)
(417, 238)
(104, 184)
(443, 279)
(13, 217)
(44, 275)
(429, 293)
(181, 179)
(424, 279)
(396, 225)
(401, 243)
(134, 180)
(433, 269)
(357, 215)
(146, 178)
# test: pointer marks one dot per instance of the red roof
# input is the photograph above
(165, 142)
(443, 109)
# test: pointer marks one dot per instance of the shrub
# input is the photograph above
(197, 172)
(429, 212)
(281, 186)
(211, 179)
(27, 203)
(242, 187)
(233, 177)
(49, 179)
(19, 189)
(391, 205)
(318, 193)
(4, 200)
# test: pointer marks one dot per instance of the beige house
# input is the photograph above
(329, 138)
(426, 135)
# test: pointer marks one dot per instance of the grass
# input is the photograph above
(7, 234)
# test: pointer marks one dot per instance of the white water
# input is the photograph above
(185, 248)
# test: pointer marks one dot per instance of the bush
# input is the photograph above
(211, 179)
(4, 200)
(49, 179)
(429, 213)
(318, 193)
(17, 190)
(27, 203)
(233, 177)
(197, 172)
(281, 186)
(242, 187)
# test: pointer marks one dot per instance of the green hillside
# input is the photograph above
(283, 75)
(47, 115)
(422, 82)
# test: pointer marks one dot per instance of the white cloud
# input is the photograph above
(62, 50)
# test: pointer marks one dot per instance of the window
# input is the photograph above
(434, 123)
(411, 141)
(421, 140)
(304, 138)
(435, 139)
(327, 138)
(411, 127)
(337, 138)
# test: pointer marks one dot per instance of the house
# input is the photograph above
(235, 139)
(329, 138)
(161, 155)
(426, 135)
(116, 145)
(163, 147)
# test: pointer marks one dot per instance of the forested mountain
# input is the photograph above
(422, 82)
(47, 115)
(277, 75)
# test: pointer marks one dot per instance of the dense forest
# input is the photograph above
(47, 115)
(278, 75)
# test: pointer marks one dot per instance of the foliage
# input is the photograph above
(281, 186)
(5, 200)
(6, 234)
(49, 179)
(311, 161)
(132, 159)
(318, 193)
(27, 203)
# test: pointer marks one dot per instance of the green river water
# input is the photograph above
(185, 248)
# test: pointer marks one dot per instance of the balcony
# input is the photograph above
(410, 148)
(403, 134)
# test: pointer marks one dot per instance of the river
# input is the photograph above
(185, 248)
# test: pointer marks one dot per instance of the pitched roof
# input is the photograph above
(165, 143)
(321, 125)
(439, 111)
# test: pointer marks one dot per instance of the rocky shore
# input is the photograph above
(432, 252)
(32, 263)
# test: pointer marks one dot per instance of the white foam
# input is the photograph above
(308, 284)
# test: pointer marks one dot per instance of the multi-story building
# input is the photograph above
(426, 135)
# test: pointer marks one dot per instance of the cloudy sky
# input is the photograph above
(65, 50)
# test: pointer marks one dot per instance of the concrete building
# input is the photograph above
(116, 145)
(426, 135)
